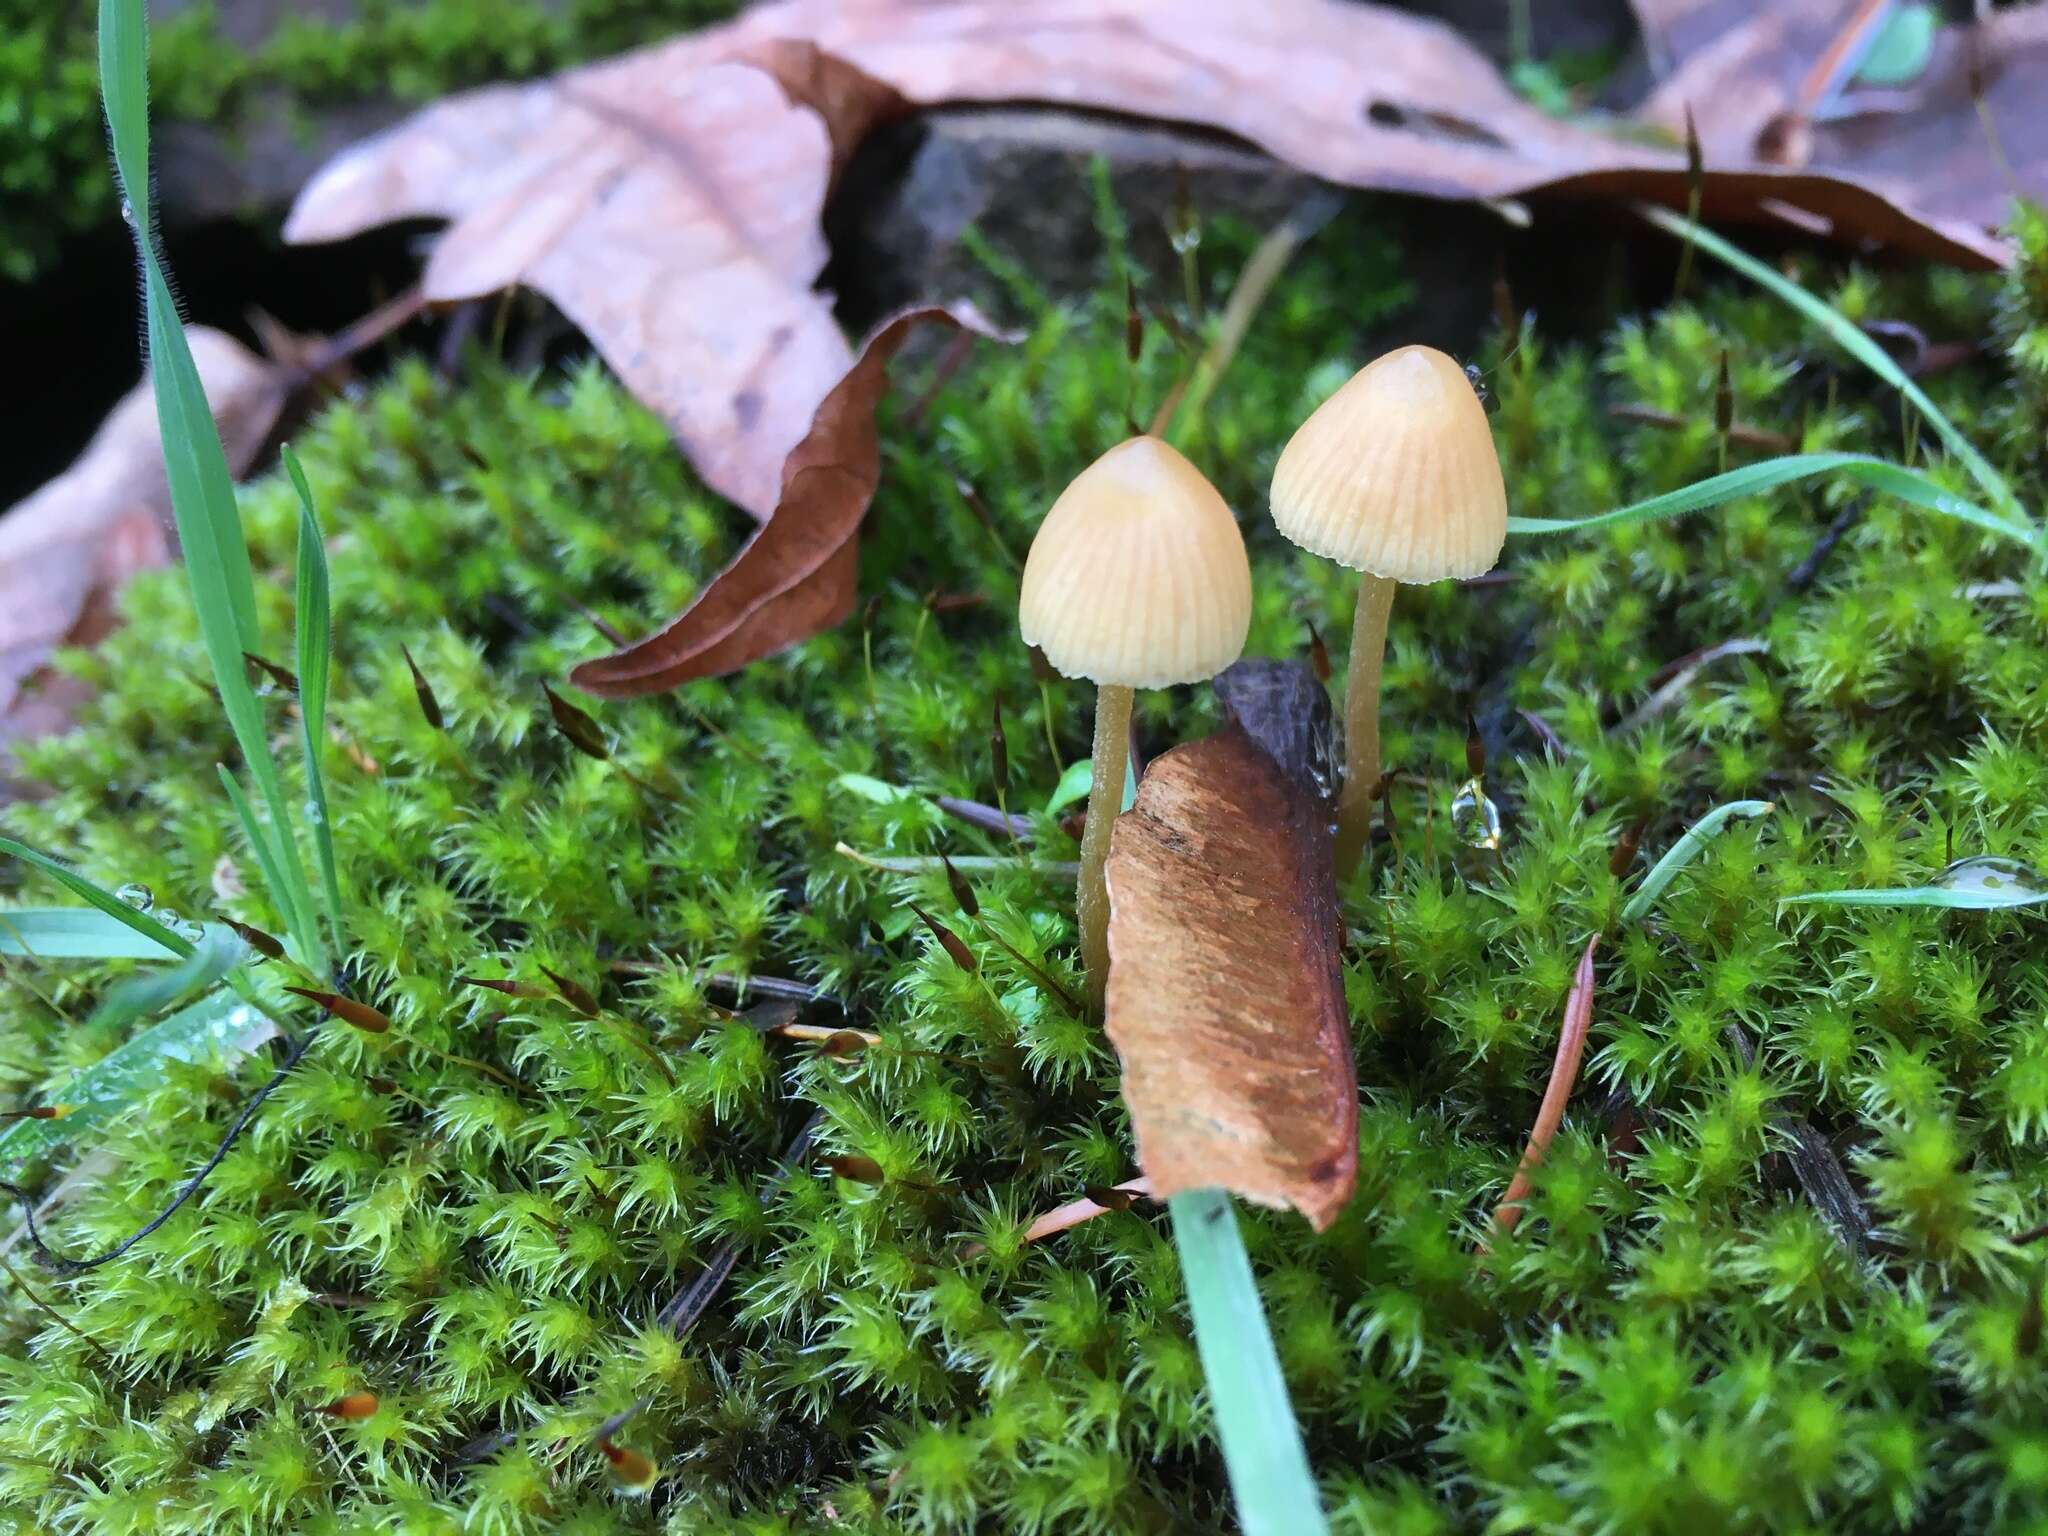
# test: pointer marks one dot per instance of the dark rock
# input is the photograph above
(1020, 177)
(254, 167)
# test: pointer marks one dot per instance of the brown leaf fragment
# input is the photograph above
(1225, 999)
(66, 550)
(1772, 86)
(796, 576)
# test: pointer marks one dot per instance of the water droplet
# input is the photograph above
(137, 896)
(316, 814)
(127, 213)
(1475, 820)
(179, 924)
(2003, 879)
(1185, 236)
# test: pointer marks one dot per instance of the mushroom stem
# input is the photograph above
(1362, 719)
(1112, 751)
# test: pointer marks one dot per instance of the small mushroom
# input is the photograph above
(1137, 579)
(1394, 476)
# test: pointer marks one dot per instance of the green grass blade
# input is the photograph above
(1262, 1449)
(73, 933)
(315, 640)
(1881, 475)
(252, 833)
(202, 490)
(130, 1070)
(1981, 884)
(1684, 851)
(99, 897)
(219, 951)
(1852, 340)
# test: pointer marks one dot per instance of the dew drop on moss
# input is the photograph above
(1475, 819)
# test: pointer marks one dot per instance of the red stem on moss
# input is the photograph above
(1564, 1072)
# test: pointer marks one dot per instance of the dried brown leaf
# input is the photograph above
(669, 200)
(1756, 77)
(66, 550)
(796, 576)
(1225, 998)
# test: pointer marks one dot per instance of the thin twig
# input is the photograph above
(1254, 282)
(988, 817)
(1061, 1217)
(57, 1263)
(1682, 672)
(54, 1315)
(1741, 432)
(1564, 1072)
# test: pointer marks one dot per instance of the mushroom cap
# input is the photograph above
(1396, 473)
(1137, 576)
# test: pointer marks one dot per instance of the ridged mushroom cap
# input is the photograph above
(1138, 574)
(1396, 474)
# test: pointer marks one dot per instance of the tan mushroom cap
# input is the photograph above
(1396, 474)
(1138, 576)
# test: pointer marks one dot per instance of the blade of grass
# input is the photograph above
(130, 1070)
(1684, 851)
(96, 896)
(73, 933)
(219, 951)
(315, 639)
(1852, 339)
(266, 858)
(1980, 884)
(202, 490)
(1262, 1449)
(1881, 475)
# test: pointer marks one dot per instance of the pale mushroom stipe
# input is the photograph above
(1137, 578)
(1394, 476)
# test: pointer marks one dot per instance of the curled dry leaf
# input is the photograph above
(1225, 1001)
(65, 551)
(797, 575)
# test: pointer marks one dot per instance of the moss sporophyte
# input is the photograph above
(413, 1294)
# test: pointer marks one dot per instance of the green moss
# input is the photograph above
(53, 142)
(1673, 1340)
